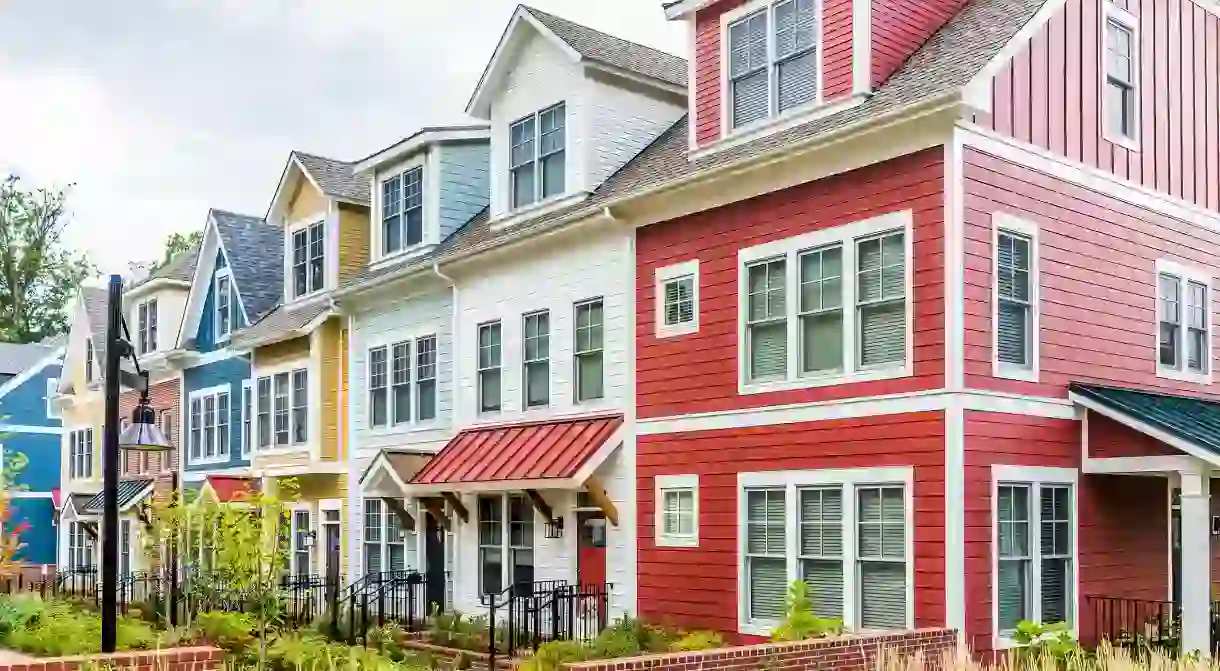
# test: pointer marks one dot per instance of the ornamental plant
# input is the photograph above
(800, 622)
(10, 534)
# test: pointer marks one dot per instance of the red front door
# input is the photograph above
(591, 561)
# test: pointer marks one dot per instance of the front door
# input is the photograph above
(1175, 535)
(331, 536)
(591, 562)
(434, 563)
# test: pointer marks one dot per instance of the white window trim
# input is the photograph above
(412, 336)
(312, 408)
(665, 483)
(478, 377)
(1186, 275)
(1001, 221)
(773, 121)
(540, 200)
(222, 273)
(549, 359)
(292, 540)
(411, 539)
(151, 307)
(506, 546)
(290, 283)
(1112, 12)
(850, 479)
(92, 462)
(665, 275)
(790, 249)
(1036, 476)
(247, 446)
(430, 210)
(200, 395)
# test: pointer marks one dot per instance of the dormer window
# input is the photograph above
(537, 156)
(772, 54)
(224, 305)
(402, 211)
(308, 259)
(147, 319)
(88, 359)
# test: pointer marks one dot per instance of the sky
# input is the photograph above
(156, 110)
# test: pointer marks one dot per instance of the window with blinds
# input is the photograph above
(881, 552)
(821, 548)
(772, 64)
(1014, 305)
(881, 299)
(821, 310)
(1170, 300)
(680, 300)
(1183, 323)
(766, 553)
(767, 333)
(1034, 575)
(677, 510)
(677, 296)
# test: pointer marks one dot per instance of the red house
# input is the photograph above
(925, 315)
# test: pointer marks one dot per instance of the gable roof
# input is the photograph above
(334, 178)
(581, 43)
(946, 63)
(282, 323)
(254, 251)
(95, 300)
(15, 358)
(178, 271)
(1189, 424)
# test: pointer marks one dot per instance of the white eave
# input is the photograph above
(680, 10)
(155, 285)
(424, 138)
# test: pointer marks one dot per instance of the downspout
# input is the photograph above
(453, 340)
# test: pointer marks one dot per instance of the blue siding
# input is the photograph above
(205, 338)
(26, 405)
(465, 187)
(38, 540)
(233, 372)
(41, 450)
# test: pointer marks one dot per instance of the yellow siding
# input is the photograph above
(332, 394)
(281, 352)
(353, 240)
(299, 456)
(306, 202)
(88, 412)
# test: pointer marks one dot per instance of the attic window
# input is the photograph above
(772, 61)
(147, 318)
(537, 165)
(224, 305)
(308, 259)
(402, 211)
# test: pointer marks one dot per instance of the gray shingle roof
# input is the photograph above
(615, 51)
(336, 178)
(280, 321)
(946, 62)
(256, 256)
(95, 300)
(128, 494)
(15, 358)
(181, 268)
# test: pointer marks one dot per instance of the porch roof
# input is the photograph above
(399, 466)
(555, 454)
(130, 492)
(228, 488)
(1187, 423)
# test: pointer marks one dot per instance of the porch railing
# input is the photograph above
(1135, 624)
(529, 614)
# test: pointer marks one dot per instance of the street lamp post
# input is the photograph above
(142, 434)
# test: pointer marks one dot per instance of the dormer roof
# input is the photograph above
(331, 177)
(176, 274)
(258, 265)
(420, 139)
(582, 44)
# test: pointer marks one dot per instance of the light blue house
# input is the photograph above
(238, 279)
(30, 426)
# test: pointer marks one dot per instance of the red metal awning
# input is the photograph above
(553, 454)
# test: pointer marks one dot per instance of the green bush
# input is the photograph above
(698, 640)
(551, 656)
(800, 623)
(231, 632)
(455, 630)
(616, 642)
(16, 611)
(54, 628)
(296, 652)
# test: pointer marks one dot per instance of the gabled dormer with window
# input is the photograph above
(763, 66)
(568, 106)
(424, 188)
(153, 309)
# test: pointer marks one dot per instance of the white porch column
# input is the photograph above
(1196, 545)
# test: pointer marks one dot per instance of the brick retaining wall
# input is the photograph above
(845, 653)
(170, 659)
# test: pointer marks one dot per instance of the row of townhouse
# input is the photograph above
(912, 301)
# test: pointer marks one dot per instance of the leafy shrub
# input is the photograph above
(698, 640)
(616, 642)
(231, 632)
(551, 656)
(1054, 642)
(16, 611)
(455, 630)
(800, 623)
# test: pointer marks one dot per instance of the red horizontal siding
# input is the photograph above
(837, 53)
(698, 372)
(1098, 268)
(900, 27)
(1049, 95)
(1108, 438)
(1122, 519)
(697, 587)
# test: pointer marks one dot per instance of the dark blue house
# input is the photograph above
(30, 426)
(238, 279)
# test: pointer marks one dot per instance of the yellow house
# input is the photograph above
(298, 356)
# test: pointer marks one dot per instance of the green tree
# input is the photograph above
(177, 243)
(38, 273)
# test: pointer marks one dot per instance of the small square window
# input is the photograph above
(677, 510)
(677, 299)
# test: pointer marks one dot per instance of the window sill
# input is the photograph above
(414, 251)
(757, 627)
(1011, 372)
(1183, 375)
(677, 330)
(733, 137)
(273, 451)
(413, 427)
(1130, 144)
(677, 541)
(208, 461)
(552, 204)
(810, 382)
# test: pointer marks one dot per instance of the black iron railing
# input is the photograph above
(521, 618)
(1135, 624)
(378, 599)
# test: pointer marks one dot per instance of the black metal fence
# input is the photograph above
(529, 614)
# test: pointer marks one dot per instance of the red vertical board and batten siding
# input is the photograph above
(837, 62)
(1122, 528)
(1050, 95)
(900, 27)
(697, 587)
(698, 372)
(1097, 267)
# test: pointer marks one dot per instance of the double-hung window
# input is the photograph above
(827, 306)
(589, 350)
(264, 412)
(308, 259)
(209, 424)
(402, 383)
(537, 151)
(1121, 58)
(845, 533)
(1183, 323)
(677, 299)
(387, 545)
(496, 538)
(489, 367)
(89, 356)
(390, 382)
(772, 61)
(536, 358)
(146, 317)
(402, 211)
(378, 387)
(80, 547)
(80, 454)
(302, 543)
(425, 378)
(1016, 298)
(283, 409)
(491, 540)
(677, 510)
(224, 305)
(300, 407)
(1035, 573)
(247, 418)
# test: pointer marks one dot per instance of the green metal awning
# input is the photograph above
(1186, 423)
(130, 493)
